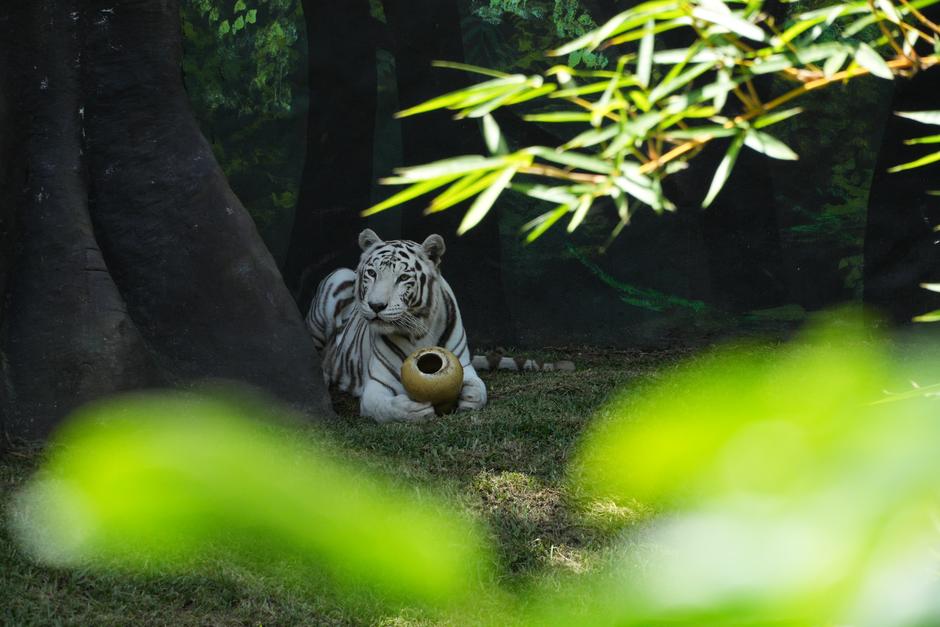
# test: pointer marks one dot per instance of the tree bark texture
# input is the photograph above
(133, 263)
(338, 175)
(425, 31)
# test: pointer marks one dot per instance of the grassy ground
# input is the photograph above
(506, 464)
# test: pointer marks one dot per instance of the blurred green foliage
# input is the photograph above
(155, 483)
(789, 489)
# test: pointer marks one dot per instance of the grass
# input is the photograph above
(505, 464)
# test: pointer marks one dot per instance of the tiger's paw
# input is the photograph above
(404, 409)
(472, 395)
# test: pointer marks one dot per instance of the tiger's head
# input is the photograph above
(395, 282)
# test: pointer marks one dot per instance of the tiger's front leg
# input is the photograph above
(379, 403)
(473, 392)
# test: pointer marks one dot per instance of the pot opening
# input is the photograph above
(430, 363)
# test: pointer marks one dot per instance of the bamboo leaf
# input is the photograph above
(584, 204)
(484, 202)
(593, 137)
(593, 88)
(644, 63)
(933, 287)
(531, 94)
(773, 117)
(931, 158)
(866, 56)
(834, 63)
(557, 195)
(723, 171)
(495, 142)
(558, 116)
(454, 165)
(668, 86)
(929, 139)
(933, 316)
(544, 222)
(769, 145)
(472, 94)
(925, 117)
(492, 104)
(467, 187)
(573, 159)
(638, 188)
(470, 68)
(418, 189)
(731, 22)
(701, 132)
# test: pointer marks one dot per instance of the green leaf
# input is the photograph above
(773, 117)
(666, 87)
(558, 116)
(593, 88)
(929, 139)
(573, 159)
(644, 63)
(835, 63)
(544, 222)
(593, 137)
(454, 165)
(239, 24)
(418, 189)
(224, 27)
(700, 132)
(468, 96)
(580, 212)
(475, 69)
(866, 56)
(931, 158)
(925, 117)
(557, 195)
(723, 171)
(637, 186)
(531, 94)
(933, 287)
(467, 187)
(933, 316)
(495, 142)
(495, 103)
(240, 6)
(730, 21)
(481, 206)
(252, 16)
(769, 145)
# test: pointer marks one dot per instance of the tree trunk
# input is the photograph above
(901, 248)
(134, 264)
(425, 31)
(338, 173)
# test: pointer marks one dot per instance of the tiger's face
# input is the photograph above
(395, 282)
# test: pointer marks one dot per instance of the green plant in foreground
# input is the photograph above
(788, 490)
(654, 112)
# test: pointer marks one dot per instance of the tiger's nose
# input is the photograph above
(377, 307)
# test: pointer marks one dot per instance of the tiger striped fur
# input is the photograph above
(365, 323)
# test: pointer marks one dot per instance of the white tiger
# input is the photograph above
(365, 323)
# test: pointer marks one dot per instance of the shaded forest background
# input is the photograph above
(297, 100)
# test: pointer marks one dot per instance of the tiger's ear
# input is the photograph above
(368, 239)
(434, 248)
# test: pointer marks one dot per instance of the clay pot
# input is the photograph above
(433, 375)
